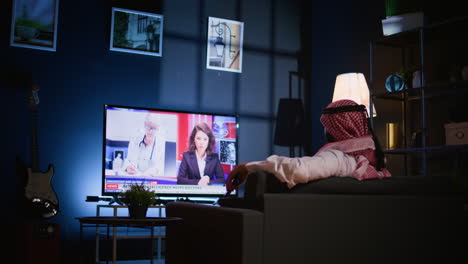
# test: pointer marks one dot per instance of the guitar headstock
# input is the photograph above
(33, 99)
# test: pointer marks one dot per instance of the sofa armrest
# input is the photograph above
(212, 234)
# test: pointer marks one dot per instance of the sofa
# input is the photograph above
(334, 220)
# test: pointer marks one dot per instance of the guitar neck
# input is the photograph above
(34, 143)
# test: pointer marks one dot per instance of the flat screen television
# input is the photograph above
(146, 146)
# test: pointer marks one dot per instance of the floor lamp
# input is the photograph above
(290, 120)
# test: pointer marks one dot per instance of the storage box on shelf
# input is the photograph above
(456, 133)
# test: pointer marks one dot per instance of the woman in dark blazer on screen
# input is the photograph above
(200, 165)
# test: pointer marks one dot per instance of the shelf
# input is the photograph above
(432, 90)
(397, 96)
(134, 233)
(441, 89)
(444, 148)
(453, 148)
(403, 150)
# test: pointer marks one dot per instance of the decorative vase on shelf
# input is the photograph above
(394, 83)
(417, 79)
(393, 135)
(464, 73)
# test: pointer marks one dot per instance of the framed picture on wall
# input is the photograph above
(34, 24)
(136, 32)
(224, 45)
(227, 150)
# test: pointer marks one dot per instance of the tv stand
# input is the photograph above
(115, 199)
(200, 200)
(157, 232)
(110, 199)
(184, 199)
(113, 223)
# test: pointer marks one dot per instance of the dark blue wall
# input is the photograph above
(341, 32)
(83, 74)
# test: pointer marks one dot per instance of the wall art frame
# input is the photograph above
(136, 32)
(224, 44)
(34, 24)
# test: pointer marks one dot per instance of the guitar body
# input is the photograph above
(39, 185)
(38, 200)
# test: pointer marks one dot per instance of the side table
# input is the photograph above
(114, 222)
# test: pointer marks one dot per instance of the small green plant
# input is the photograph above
(406, 73)
(454, 72)
(397, 7)
(138, 194)
(31, 23)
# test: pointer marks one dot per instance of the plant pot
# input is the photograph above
(137, 211)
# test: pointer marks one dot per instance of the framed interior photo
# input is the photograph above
(34, 24)
(224, 45)
(136, 32)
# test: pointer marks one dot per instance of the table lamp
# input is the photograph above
(353, 86)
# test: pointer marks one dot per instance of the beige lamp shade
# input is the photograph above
(353, 86)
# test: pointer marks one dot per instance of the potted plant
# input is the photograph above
(407, 74)
(138, 198)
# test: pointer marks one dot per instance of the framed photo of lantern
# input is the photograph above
(224, 45)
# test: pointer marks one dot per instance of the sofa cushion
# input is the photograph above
(268, 183)
(261, 182)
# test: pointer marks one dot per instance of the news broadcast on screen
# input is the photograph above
(171, 152)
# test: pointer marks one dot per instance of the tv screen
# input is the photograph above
(174, 153)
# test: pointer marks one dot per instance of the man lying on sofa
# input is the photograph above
(353, 151)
